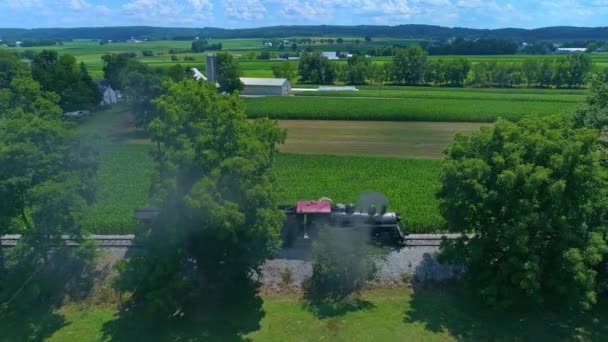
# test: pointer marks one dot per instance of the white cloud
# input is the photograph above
(245, 9)
(170, 10)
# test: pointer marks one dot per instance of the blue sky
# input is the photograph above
(256, 13)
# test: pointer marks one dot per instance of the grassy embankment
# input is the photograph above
(382, 315)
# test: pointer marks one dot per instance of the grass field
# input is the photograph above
(382, 315)
(410, 184)
(429, 108)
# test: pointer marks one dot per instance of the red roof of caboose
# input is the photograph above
(313, 207)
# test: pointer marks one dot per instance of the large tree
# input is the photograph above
(316, 69)
(228, 73)
(529, 199)
(46, 178)
(409, 65)
(63, 76)
(219, 218)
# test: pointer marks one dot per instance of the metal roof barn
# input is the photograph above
(265, 86)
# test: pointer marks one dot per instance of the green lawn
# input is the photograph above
(428, 108)
(381, 315)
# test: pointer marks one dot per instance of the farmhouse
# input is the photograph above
(108, 95)
(265, 86)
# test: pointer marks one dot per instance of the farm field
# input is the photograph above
(373, 138)
(482, 94)
(90, 52)
(382, 315)
(410, 184)
(430, 108)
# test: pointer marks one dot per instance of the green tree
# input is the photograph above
(113, 66)
(592, 47)
(229, 73)
(314, 68)
(340, 40)
(11, 67)
(24, 95)
(214, 183)
(63, 76)
(545, 73)
(358, 69)
(409, 65)
(456, 71)
(285, 70)
(579, 68)
(47, 175)
(533, 196)
(480, 76)
(531, 70)
(142, 84)
(593, 113)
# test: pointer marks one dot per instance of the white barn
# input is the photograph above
(265, 86)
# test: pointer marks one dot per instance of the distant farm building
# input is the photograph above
(563, 51)
(265, 86)
(330, 55)
(108, 95)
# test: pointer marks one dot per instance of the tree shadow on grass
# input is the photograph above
(454, 310)
(229, 319)
(30, 324)
(334, 308)
(32, 294)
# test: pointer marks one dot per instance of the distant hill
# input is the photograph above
(400, 31)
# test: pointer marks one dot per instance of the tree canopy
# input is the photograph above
(219, 215)
(63, 76)
(533, 194)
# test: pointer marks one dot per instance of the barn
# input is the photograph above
(265, 86)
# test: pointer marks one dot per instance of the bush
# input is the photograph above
(341, 264)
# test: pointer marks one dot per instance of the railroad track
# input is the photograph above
(126, 241)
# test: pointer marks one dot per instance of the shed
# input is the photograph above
(265, 86)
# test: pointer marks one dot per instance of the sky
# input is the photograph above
(258, 13)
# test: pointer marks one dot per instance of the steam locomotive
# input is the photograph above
(306, 218)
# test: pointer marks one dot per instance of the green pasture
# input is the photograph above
(434, 314)
(428, 108)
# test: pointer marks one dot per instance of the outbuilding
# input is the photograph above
(265, 86)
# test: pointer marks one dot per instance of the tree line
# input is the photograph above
(411, 66)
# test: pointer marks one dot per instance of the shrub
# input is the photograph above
(341, 264)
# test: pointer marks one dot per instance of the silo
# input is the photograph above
(211, 68)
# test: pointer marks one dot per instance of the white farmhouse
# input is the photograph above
(265, 86)
(108, 95)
